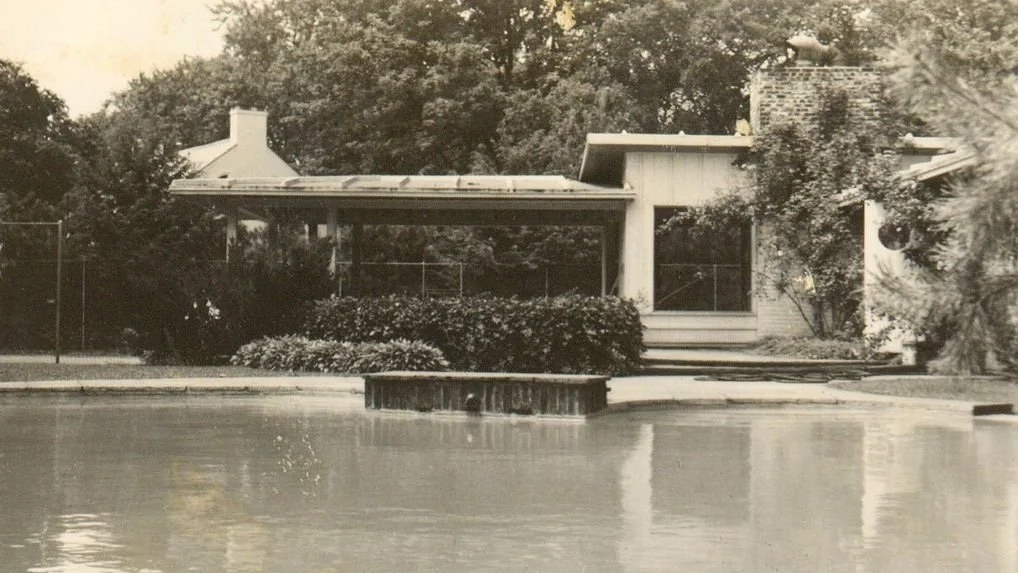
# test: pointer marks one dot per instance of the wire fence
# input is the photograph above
(461, 279)
(94, 313)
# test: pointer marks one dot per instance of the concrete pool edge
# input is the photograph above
(263, 385)
(626, 394)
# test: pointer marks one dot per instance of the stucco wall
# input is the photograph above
(689, 178)
(665, 179)
(248, 160)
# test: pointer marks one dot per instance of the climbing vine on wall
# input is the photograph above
(807, 183)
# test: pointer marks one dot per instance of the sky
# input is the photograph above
(84, 50)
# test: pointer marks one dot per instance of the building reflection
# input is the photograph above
(269, 488)
(798, 491)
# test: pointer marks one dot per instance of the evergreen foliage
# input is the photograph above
(957, 74)
(566, 334)
(301, 354)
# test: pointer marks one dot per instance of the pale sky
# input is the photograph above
(84, 50)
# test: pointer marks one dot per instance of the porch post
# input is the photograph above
(355, 255)
(231, 227)
(332, 223)
(604, 259)
(610, 259)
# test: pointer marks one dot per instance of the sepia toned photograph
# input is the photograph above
(585, 286)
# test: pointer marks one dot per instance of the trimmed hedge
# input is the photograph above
(300, 353)
(565, 334)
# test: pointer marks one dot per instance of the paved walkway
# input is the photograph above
(68, 359)
(722, 355)
(628, 393)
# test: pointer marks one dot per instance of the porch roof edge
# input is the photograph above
(604, 153)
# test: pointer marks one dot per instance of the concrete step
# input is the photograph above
(777, 371)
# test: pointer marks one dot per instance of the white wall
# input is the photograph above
(690, 178)
(665, 179)
(879, 259)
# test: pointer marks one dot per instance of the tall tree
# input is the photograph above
(956, 71)
(36, 157)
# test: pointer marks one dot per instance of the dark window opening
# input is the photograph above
(697, 269)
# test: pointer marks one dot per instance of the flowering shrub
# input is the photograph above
(566, 334)
(300, 353)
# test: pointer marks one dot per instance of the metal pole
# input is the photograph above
(604, 260)
(60, 272)
(715, 287)
(82, 304)
(424, 288)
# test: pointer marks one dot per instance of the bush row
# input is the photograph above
(565, 334)
(300, 353)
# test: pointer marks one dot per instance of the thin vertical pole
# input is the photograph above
(715, 287)
(60, 272)
(604, 260)
(355, 254)
(82, 304)
(461, 279)
(424, 286)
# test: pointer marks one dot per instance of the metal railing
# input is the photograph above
(458, 279)
(700, 287)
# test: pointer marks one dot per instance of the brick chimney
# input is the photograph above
(249, 127)
(795, 94)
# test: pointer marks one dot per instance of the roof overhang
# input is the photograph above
(604, 154)
(940, 165)
(422, 199)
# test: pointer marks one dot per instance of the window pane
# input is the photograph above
(697, 269)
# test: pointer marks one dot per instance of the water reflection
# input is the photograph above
(299, 484)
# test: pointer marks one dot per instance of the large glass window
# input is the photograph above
(701, 270)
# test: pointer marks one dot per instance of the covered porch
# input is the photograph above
(357, 200)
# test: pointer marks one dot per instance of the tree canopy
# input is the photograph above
(482, 86)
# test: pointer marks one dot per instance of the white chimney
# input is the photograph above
(249, 127)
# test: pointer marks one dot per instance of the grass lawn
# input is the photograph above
(27, 372)
(942, 387)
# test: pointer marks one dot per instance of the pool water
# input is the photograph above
(314, 484)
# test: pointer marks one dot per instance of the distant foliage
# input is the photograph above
(566, 334)
(204, 311)
(302, 354)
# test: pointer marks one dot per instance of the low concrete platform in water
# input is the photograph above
(488, 393)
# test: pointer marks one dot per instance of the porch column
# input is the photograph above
(332, 233)
(610, 261)
(604, 259)
(231, 227)
(332, 223)
(355, 256)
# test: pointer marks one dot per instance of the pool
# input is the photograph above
(315, 484)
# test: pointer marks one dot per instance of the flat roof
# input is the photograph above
(422, 186)
(604, 154)
(399, 199)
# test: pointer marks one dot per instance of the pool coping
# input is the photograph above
(626, 394)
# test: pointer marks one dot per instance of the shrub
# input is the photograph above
(300, 353)
(205, 311)
(566, 334)
(811, 348)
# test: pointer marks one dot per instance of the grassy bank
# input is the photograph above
(972, 389)
(28, 372)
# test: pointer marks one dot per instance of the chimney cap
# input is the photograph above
(809, 50)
